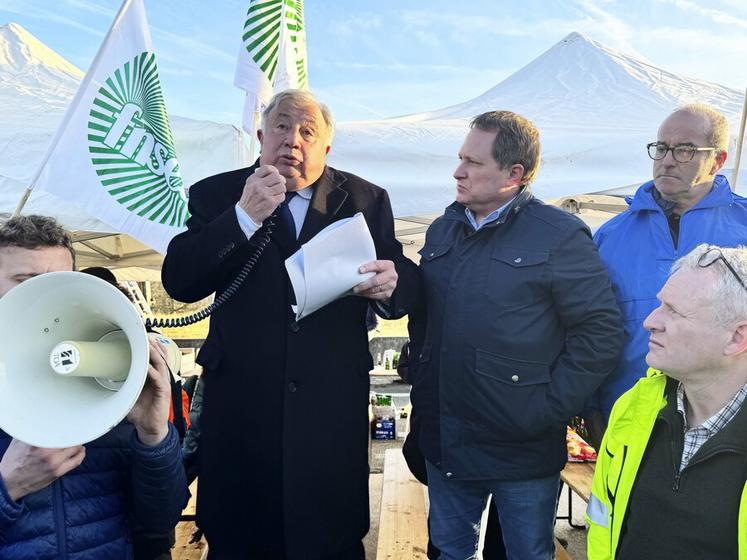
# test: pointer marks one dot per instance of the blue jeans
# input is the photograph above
(526, 509)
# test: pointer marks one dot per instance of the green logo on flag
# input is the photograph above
(131, 147)
(262, 35)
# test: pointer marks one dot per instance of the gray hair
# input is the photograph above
(718, 127)
(728, 298)
(299, 97)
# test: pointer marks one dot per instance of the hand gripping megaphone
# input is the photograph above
(73, 359)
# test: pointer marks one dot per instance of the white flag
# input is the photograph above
(114, 153)
(272, 56)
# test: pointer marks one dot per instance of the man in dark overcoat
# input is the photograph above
(283, 462)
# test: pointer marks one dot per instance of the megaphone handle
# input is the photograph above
(263, 239)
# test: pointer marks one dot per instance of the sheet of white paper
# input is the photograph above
(326, 267)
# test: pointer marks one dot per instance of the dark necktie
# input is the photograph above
(285, 217)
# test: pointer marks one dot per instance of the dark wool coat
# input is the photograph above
(281, 472)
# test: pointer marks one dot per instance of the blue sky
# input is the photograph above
(370, 59)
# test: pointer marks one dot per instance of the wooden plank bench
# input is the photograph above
(403, 531)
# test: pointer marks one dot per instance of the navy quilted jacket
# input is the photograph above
(88, 513)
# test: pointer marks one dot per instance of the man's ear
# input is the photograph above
(327, 149)
(719, 162)
(260, 136)
(516, 175)
(738, 342)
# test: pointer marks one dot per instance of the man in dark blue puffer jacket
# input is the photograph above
(80, 503)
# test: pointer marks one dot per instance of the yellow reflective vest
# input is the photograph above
(630, 426)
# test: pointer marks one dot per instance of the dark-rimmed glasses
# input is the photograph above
(714, 254)
(681, 152)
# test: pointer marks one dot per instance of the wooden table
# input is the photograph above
(578, 477)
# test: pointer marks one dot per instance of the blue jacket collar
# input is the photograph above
(720, 195)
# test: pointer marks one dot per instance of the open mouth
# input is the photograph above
(288, 160)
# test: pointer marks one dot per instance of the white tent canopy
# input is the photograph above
(36, 86)
(596, 109)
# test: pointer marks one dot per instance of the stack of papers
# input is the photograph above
(326, 267)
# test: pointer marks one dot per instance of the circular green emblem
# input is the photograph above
(131, 147)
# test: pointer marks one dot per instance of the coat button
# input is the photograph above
(431, 255)
(517, 260)
(292, 387)
(294, 327)
(514, 378)
(449, 474)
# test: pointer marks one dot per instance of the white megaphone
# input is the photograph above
(73, 359)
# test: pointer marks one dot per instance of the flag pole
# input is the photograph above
(740, 141)
(253, 138)
(71, 109)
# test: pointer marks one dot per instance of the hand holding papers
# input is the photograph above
(326, 267)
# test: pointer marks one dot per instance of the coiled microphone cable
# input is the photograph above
(263, 239)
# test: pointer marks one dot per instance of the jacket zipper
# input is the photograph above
(712, 453)
(59, 518)
(677, 472)
(675, 248)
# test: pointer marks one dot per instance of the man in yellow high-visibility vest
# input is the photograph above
(670, 479)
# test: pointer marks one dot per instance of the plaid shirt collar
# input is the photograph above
(696, 436)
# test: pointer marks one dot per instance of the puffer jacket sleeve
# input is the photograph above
(10, 510)
(158, 483)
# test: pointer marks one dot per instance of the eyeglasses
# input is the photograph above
(714, 254)
(681, 152)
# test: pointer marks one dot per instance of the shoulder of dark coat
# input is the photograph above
(554, 218)
(219, 184)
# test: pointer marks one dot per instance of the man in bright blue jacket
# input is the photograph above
(686, 204)
(82, 502)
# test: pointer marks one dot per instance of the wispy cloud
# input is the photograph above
(605, 25)
(351, 26)
(190, 72)
(188, 47)
(717, 16)
(92, 7)
(26, 9)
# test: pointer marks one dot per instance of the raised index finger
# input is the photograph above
(265, 170)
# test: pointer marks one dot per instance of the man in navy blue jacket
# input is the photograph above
(81, 502)
(519, 327)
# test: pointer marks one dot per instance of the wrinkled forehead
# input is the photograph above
(300, 112)
(684, 128)
(690, 289)
(29, 262)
